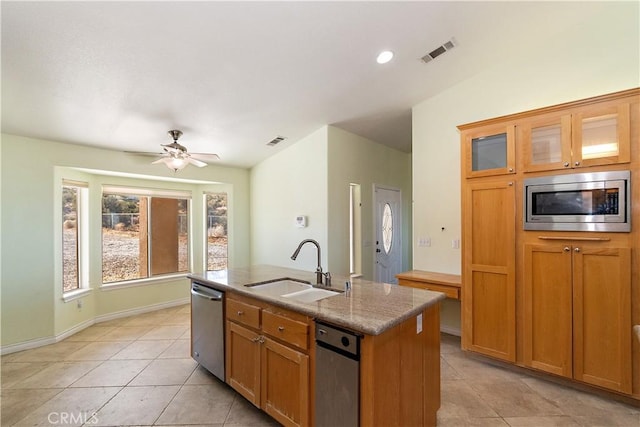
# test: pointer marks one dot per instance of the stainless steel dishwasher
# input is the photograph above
(337, 377)
(207, 328)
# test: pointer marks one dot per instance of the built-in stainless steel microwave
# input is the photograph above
(597, 201)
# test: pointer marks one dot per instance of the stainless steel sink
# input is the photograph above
(311, 295)
(281, 286)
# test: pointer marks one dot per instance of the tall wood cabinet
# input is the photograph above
(559, 302)
(489, 304)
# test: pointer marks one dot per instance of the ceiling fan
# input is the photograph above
(176, 157)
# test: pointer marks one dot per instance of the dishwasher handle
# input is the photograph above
(214, 296)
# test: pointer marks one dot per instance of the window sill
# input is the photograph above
(143, 282)
(78, 293)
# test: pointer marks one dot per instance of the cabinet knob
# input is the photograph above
(510, 169)
(577, 163)
(565, 164)
(510, 183)
(281, 328)
(240, 313)
(576, 249)
(257, 339)
(566, 249)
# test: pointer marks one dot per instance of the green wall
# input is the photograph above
(31, 286)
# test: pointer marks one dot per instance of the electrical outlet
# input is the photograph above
(79, 304)
(455, 243)
(424, 242)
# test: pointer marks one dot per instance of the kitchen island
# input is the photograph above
(271, 351)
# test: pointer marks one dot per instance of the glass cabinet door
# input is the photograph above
(546, 143)
(601, 136)
(489, 151)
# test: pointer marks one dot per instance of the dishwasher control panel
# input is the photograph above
(338, 339)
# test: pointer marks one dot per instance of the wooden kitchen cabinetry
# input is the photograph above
(577, 311)
(489, 303)
(581, 137)
(558, 302)
(267, 358)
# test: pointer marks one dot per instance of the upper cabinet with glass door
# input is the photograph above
(588, 136)
(489, 151)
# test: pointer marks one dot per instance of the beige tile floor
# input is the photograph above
(137, 371)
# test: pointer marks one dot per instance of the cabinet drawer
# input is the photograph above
(449, 291)
(243, 313)
(288, 330)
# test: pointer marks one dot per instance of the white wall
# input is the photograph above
(290, 183)
(31, 174)
(311, 177)
(595, 58)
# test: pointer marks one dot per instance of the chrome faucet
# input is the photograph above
(319, 273)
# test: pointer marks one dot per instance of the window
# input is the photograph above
(217, 241)
(73, 213)
(355, 249)
(145, 233)
(387, 228)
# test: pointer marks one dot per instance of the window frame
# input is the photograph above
(82, 243)
(149, 193)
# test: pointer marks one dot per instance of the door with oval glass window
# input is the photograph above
(388, 225)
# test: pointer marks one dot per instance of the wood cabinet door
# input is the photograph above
(545, 142)
(547, 308)
(602, 316)
(489, 151)
(285, 384)
(243, 361)
(601, 135)
(488, 282)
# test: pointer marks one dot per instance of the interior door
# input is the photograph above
(388, 224)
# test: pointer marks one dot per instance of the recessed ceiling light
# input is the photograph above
(384, 57)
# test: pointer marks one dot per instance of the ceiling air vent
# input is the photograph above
(275, 141)
(439, 51)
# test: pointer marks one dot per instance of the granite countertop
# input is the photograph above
(369, 307)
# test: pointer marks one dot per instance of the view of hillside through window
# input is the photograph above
(217, 240)
(143, 236)
(70, 276)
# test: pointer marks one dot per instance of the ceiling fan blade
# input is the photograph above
(144, 153)
(205, 156)
(160, 160)
(195, 162)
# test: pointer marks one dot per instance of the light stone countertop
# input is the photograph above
(369, 307)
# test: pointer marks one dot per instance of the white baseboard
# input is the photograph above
(39, 342)
(26, 345)
(141, 310)
(451, 331)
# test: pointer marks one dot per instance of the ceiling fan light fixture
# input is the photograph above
(175, 163)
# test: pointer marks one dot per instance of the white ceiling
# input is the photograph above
(234, 75)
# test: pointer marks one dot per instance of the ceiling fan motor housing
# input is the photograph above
(175, 134)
